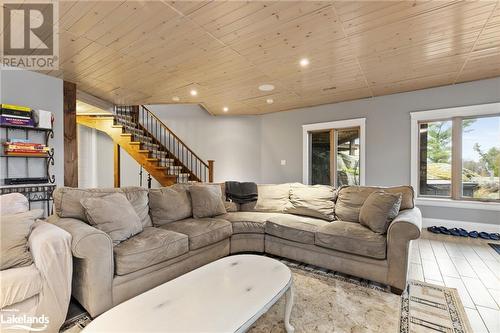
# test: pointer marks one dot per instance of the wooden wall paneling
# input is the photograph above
(134, 52)
(70, 136)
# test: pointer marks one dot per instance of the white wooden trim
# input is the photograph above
(430, 115)
(443, 202)
(461, 111)
(469, 226)
(306, 143)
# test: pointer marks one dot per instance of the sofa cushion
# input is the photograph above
(150, 247)
(168, 204)
(315, 201)
(67, 201)
(13, 203)
(273, 198)
(351, 198)
(114, 215)
(295, 228)
(14, 233)
(201, 232)
(378, 210)
(351, 238)
(19, 284)
(207, 200)
(248, 222)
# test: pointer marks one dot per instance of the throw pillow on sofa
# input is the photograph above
(169, 204)
(15, 230)
(273, 198)
(379, 209)
(314, 201)
(351, 198)
(206, 200)
(114, 215)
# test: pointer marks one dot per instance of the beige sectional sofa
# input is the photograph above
(106, 274)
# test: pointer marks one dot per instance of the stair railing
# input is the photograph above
(160, 134)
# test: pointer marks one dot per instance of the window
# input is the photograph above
(333, 153)
(458, 154)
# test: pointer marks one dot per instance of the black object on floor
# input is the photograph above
(495, 247)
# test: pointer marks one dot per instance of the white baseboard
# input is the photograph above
(469, 226)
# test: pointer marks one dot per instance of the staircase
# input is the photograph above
(152, 144)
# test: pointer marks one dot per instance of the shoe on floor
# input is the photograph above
(444, 230)
(433, 229)
(495, 236)
(484, 235)
(474, 234)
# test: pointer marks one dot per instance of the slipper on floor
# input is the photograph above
(474, 234)
(495, 236)
(484, 235)
(433, 229)
(463, 232)
(444, 230)
(455, 231)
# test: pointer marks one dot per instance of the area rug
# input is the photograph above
(327, 301)
(495, 247)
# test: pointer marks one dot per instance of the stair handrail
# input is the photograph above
(201, 171)
(174, 135)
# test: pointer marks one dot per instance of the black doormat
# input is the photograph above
(495, 247)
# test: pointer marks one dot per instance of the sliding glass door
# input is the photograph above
(335, 156)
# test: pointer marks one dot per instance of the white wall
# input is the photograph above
(37, 91)
(233, 142)
(250, 148)
(387, 137)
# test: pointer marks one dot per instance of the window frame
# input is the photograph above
(327, 126)
(455, 115)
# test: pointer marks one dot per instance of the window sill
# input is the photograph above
(458, 204)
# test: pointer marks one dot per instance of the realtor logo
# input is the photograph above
(30, 38)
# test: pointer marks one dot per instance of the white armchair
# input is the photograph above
(40, 292)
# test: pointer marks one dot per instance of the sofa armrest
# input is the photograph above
(405, 228)
(93, 264)
(50, 247)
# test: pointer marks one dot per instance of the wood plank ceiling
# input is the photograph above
(131, 52)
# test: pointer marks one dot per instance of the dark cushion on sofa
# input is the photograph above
(295, 228)
(150, 247)
(248, 222)
(201, 232)
(353, 238)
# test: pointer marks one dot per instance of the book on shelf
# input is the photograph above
(26, 154)
(15, 107)
(15, 114)
(12, 121)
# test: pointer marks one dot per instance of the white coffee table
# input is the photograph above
(227, 295)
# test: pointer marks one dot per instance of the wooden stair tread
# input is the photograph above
(144, 151)
(135, 143)
(152, 159)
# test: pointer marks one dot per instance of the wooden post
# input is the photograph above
(70, 139)
(211, 171)
(333, 160)
(117, 165)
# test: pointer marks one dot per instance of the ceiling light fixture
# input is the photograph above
(176, 98)
(304, 62)
(225, 109)
(269, 101)
(266, 87)
(193, 92)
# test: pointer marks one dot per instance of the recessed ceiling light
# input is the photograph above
(304, 62)
(269, 101)
(176, 98)
(225, 109)
(266, 87)
(193, 92)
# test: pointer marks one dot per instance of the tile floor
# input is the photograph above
(469, 265)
